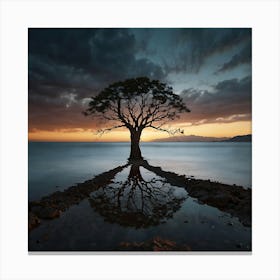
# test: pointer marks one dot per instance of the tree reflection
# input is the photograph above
(137, 202)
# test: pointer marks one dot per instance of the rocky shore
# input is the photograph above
(155, 244)
(234, 200)
(51, 206)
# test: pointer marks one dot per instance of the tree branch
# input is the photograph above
(106, 130)
(169, 131)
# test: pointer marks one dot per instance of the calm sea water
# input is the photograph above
(137, 205)
(56, 166)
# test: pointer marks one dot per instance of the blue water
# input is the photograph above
(56, 166)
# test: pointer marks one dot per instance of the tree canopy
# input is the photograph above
(137, 104)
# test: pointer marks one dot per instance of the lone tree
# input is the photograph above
(137, 104)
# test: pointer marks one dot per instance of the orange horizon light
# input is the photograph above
(121, 135)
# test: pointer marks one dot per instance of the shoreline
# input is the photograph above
(232, 199)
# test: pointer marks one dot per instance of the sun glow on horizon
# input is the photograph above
(120, 135)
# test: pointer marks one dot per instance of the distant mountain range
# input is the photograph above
(195, 138)
(241, 138)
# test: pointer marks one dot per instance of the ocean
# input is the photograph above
(55, 166)
(137, 208)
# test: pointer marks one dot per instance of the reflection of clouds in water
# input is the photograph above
(180, 193)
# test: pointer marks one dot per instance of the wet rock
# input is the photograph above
(234, 200)
(155, 244)
(33, 221)
(50, 207)
(45, 212)
(34, 203)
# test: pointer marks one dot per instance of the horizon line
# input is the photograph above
(143, 141)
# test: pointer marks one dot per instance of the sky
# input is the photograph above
(210, 68)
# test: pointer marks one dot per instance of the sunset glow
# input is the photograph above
(120, 135)
(135, 132)
(213, 79)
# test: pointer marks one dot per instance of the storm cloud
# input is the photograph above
(68, 65)
(243, 57)
(229, 101)
(196, 45)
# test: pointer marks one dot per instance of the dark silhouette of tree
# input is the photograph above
(137, 104)
(137, 202)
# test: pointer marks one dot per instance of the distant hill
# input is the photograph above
(195, 138)
(240, 138)
(191, 138)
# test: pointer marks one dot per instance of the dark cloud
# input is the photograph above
(66, 66)
(244, 56)
(200, 43)
(229, 101)
(88, 57)
(78, 62)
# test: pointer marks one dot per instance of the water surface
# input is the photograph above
(55, 166)
(137, 205)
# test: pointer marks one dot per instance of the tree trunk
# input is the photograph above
(135, 173)
(135, 152)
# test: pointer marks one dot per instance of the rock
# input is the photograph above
(33, 221)
(156, 244)
(220, 201)
(34, 203)
(45, 212)
(230, 223)
(186, 221)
